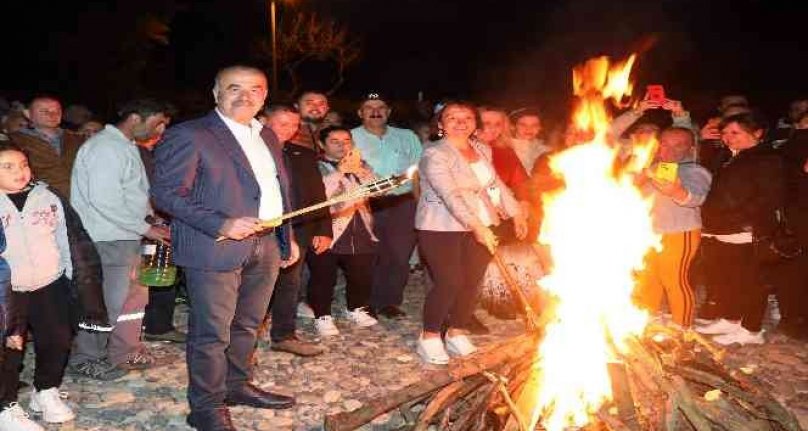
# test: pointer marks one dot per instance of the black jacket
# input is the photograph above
(746, 192)
(86, 287)
(306, 189)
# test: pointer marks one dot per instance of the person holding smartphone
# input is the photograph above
(679, 186)
(639, 126)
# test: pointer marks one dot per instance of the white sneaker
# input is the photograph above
(325, 326)
(741, 336)
(720, 326)
(703, 322)
(459, 345)
(14, 418)
(431, 351)
(361, 318)
(304, 311)
(49, 403)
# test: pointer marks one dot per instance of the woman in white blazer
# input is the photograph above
(461, 199)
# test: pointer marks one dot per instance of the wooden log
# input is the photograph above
(623, 399)
(774, 411)
(674, 386)
(611, 422)
(445, 397)
(476, 411)
(517, 348)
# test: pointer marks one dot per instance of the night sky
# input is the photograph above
(511, 53)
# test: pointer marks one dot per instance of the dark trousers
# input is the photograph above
(285, 298)
(226, 309)
(456, 263)
(394, 226)
(159, 316)
(358, 277)
(47, 314)
(732, 278)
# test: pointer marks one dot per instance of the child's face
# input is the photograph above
(15, 174)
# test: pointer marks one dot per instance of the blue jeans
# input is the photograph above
(226, 309)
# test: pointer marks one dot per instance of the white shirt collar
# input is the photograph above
(232, 124)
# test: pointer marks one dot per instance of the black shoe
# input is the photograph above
(172, 336)
(217, 419)
(253, 396)
(476, 327)
(390, 312)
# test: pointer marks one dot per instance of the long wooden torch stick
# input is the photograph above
(369, 190)
(532, 320)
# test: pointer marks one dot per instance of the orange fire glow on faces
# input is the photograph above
(598, 229)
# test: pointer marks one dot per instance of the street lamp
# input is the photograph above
(273, 24)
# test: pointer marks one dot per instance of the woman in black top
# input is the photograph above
(741, 207)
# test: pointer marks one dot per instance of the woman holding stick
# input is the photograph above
(462, 198)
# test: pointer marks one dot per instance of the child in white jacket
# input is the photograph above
(38, 254)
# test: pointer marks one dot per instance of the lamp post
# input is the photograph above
(273, 25)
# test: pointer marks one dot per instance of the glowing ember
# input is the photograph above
(599, 230)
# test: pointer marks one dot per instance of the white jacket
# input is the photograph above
(37, 249)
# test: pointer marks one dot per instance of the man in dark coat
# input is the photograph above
(222, 179)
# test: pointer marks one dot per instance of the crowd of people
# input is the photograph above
(78, 199)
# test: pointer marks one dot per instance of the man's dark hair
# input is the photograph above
(145, 108)
(310, 91)
(277, 108)
(42, 96)
(749, 121)
(330, 129)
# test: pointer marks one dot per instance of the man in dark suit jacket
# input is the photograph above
(218, 177)
(312, 231)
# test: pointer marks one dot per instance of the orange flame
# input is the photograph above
(598, 229)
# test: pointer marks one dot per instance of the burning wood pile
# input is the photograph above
(592, 361)
(668, 380)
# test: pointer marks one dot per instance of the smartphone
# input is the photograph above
(666, 172)
(655, 93)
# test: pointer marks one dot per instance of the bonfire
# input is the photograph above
(591, 360)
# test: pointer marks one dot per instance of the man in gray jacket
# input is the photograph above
(110, 191)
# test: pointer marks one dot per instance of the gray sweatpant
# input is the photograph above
(126, 301)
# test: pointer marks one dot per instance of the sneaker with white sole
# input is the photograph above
(459, 345)
(49, 403)
(325, 326)
(304, 311)
(431, 351)
(741, 336)
(14, 418)
(361, 318)
(720, 326)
